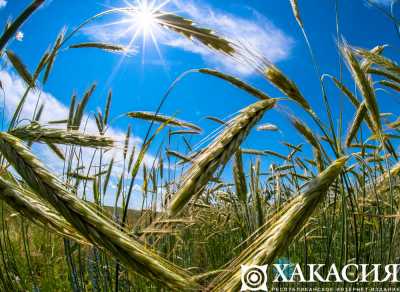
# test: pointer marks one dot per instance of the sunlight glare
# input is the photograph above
(140, 19)
(145, 17)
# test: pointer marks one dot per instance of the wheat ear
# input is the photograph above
(364, 85)
(276, 234)
(156, 117)
(95, 228)
(358, 118)
(217, 154)
(26, 203)
(35, 132)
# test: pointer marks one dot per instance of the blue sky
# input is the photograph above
(142, 78)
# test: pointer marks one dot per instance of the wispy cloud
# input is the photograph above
(257, 33)
(55, 110)
(3, 3)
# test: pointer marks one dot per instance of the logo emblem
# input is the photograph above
(254, 278)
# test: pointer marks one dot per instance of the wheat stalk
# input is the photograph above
(276, 235)
(184, 132)
(392, 76)
(296, 12)
(236, 82)
(217, 120)
(20, 68)
(102, 46)
(390, 84)
(178, 155)
(375, 58)
(53, 55)
(150, 116)
(306, 132)
(287, 86)
(383, 182)
(252, 151)
(352, 99)
(346, 92)
(80, 108)
(276, 154)
(217, 154)
(395, 124)
(35, 132)
(364, 85)
(187, 28)
(240, 177)
(358, 118)
(366, 63)
(43, 61)
(95, 228)
(26, 203)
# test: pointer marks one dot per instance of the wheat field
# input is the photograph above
(205, 211)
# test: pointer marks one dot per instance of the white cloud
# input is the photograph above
(3, 3)
(14, 89)
(257, 34)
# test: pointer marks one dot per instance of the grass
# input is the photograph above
(196, 227)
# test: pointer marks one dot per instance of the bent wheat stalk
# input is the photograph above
(308, 134)
(150, 116)
(395, 124)
(102, 46)
(353, 99)
(364, 85)
(236, 82)
(358, 118)
(240, 177)
(184, 132)
(188, 29)
(384, 73)
(377, 59)
(377, 50)
(287, 86)
(383, 182)
(276, 235)
(217, 154)
(94, 227)
(178, 155)
(20, 68)
(26, 203)
(296, 12)
(390, 84)
(36, 132)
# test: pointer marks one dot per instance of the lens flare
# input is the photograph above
(139, 19)
(143, 17)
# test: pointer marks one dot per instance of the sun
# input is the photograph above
(142, 17)
(139, 20)
(145, 17)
